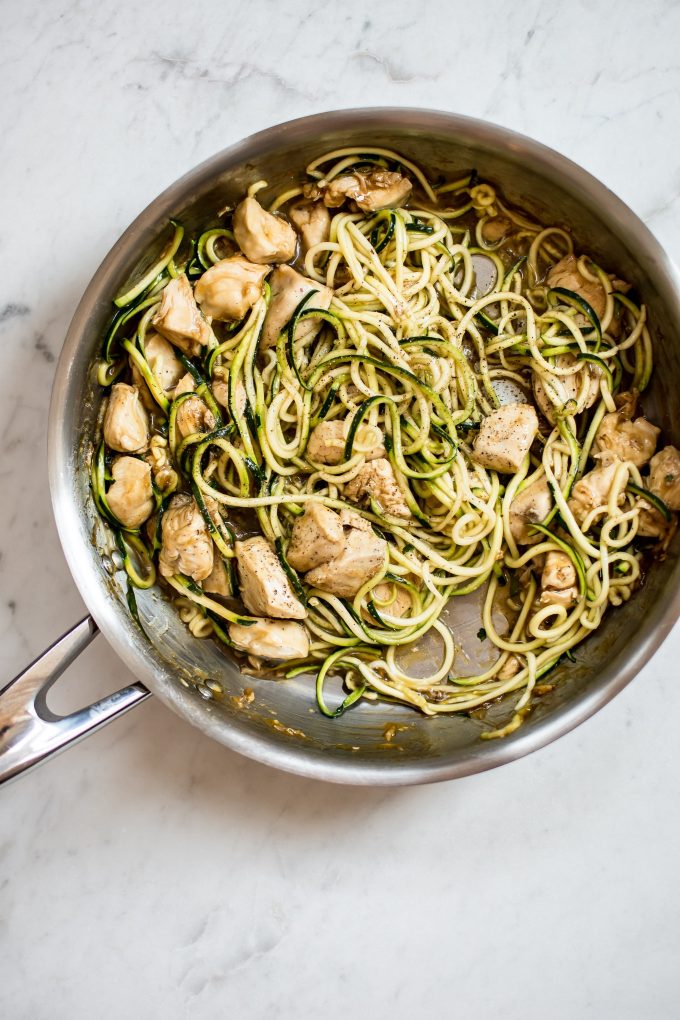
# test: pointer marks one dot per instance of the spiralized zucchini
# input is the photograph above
(438, 307)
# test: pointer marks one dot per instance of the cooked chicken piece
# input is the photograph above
(548, 395)
(401, 600)
(326, 443)
(558, 571)
(372, 190)
(220, 390)
(626, 403)
(664, 476)
(376, 480)
(566, 274)
(130, 497)
(316, 537)
(651, 522)
(126, 423)
(531, 506)
(288, 290)
(187, 384)
(158, 458)
(274, 640)
(163, 361)
(505, 437)
(510, 668)
(618, 438)
(164, 364)
(265, 589)
(194, 415)
(495, 228)
(261, 236)
(592, 491)
(352, 519)
(230, 288)
(361, 558)
(217, 581)
(312, 221)
(557, 597)
(186, 545)
(179, 319)
(139, 382)
(558, 580)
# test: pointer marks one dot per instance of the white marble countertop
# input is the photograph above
(151, 873)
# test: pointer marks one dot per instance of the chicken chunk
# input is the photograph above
(566, 274)
(164, 364)
(217, 581)
(592, 491)
(505, 437)
(619, 438)
(316, 537)
(220, 390)
(261, 236)
(130, 497)
(326, 443)
(664, 476)
(163, 361)
(186, 545)
(558, 571)
(352, 519)
(495, 228)
(193, 415)
(158, 458)
(531, 506)
(179, 320)
(273, 640)
(288, 290)
(361, 558)
(555, 597)
(558, 580)
(372, 190)
(139, 382)
(187, 384)
(265, 589)
(626, 403)
(230, 288)
(313, 223)
(126, 423)
(652, 524)
(548, 390)
(510, 668)
(397, 598)
(376, 480)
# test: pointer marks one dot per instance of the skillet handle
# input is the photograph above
(29, 731)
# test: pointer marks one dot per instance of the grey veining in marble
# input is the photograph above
(150, 873)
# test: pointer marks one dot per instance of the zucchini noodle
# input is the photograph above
(439, 307)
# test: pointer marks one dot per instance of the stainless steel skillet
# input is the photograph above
(281, 726)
